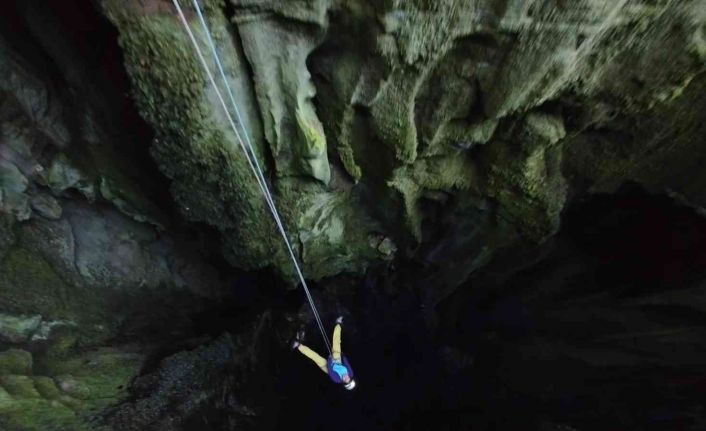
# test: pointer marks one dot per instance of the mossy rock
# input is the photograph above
(44, 292)
(39, 415)
(18, 328)
(19, 386)
(525, 177)
(63, 175)
(212, 181)
(444, 173)
(28, 284)
(86, 385)
(96, 378)
(314, 155)
(46, 387)
(73, 387)
(15, 361)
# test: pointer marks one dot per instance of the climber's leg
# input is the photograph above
(318, 360)
(337, 343)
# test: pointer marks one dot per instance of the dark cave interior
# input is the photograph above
(594, 336)
(601, 328)
(601, 334)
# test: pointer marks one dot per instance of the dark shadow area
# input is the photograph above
(604, 333)
(391, 353)
(75, 50)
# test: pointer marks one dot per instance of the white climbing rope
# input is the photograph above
(247, 148)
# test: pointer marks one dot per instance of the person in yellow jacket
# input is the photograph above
(337, 366)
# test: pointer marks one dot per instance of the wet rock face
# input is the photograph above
(363, 113)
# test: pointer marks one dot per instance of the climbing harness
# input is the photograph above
(246, 146)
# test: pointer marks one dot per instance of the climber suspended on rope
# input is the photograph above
(337, 366)
(340, 370)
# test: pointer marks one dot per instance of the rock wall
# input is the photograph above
(90, 263)
(377, 119)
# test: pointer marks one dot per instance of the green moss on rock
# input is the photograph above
(19, 386)
(314, 155)
(334, 236)
(348, 159)
(212, 181)
(46, 387)
(40, 415)
(28, 284)
(15, 361)
(96, 373)
(89, 382)
(31, 288)
(526, 178)
(393, 113)
(448, 173)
